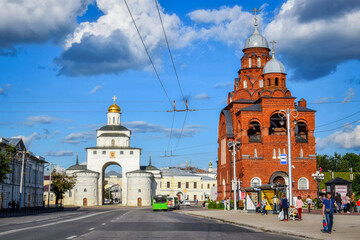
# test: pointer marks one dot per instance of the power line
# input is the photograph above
(162, 85)
(337, 120)
(182, 129)
(328, 130)
(167, 43)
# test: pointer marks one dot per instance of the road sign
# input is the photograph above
(283, 159)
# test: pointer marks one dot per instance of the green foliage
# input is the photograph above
(215, 205)
(6, 155)
(327, 177)
(356, 185)
(339, 163)
(61, 183)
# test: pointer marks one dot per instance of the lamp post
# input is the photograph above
(318, 177)
(289, 113)
(49, 189)
(235, 146)
(22, 153)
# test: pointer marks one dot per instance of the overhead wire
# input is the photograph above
(147, 52)
(328, 130)
(329, 123)
(181, 132)
(171, 130)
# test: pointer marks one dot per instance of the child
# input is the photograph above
(358, 205)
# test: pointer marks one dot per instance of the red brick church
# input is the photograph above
(253, 118)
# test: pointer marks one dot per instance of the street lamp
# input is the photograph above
(235, 146)
(318, 177)
(49, 187)
(22, 153)
(294, 113)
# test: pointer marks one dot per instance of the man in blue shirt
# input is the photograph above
(328, 211)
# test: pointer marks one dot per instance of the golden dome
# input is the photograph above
(114, 108)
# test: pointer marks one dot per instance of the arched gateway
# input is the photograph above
(113, 147)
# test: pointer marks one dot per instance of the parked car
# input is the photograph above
(186, 203)
(107, 201)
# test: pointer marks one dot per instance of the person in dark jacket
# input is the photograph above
(285, 207)
(338, 201)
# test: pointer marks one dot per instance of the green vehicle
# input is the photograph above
(160, 202)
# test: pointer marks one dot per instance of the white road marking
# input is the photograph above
(54, 223)
(103, 224)
(71, 237)
(91, 229)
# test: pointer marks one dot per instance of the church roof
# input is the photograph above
(113, 128)
(229, 123)
(113, 135)
(256, 40)
(148, 168)
(256, 107)
(274, 66)
(77, 167)
(303, 109)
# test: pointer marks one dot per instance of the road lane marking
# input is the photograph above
(103, 224)
(71, 237)
(91, 229)
(54, 223)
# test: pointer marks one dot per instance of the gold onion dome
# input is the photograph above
(114, 108)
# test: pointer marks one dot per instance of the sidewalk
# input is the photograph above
(345, 226)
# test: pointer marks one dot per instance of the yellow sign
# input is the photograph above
(269, 195)
(185, 191)
(112, 154)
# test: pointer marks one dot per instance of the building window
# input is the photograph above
(118, 120)
(85, 190)
(104, 152)
(114, 120)
(94, 152)
(276, 82)
(279, 153)
(301, 133)
(195, 185)
(208, 186)
(269, 82)
(51, 197)
(255, 153)
(274, 153)
(131, 152)
(254, 131)
(121, 152)
(261, 83)
(258, 62)
(245, 84)
(277, 124)
(202, 186)
(303, 184)
(112, 142)
(255, 182)
(168, 184)
(301, 153)
(179, 184)
(195, 197)
(250, 62)
(284, 152)
(187, 185)
(202, 197)
(139, 190)
(214, 185)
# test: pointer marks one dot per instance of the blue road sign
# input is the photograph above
(283, 159)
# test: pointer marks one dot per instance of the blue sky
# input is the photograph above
(62, 61)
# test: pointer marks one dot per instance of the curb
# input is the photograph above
(254, 227)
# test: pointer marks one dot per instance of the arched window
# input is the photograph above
(258, 62)
(279, 153)
(303, 184)
(261, 83)
(255, 182)
(245, 84)
(112, 142)
(274, 153)
(250, 62)
(118, 120)
(276, 82)
(114, 120)
(301, 133)
(255, 153)
(301, 153)
(277, 124)
(254, 132)
(284, 152)
(85, 190)
(269, 82)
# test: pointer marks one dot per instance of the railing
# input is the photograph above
(14, 212)
(255, 138)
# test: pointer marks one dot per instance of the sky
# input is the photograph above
(63, 61)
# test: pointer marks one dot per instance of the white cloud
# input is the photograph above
(59, 154)
(202, 96)
(350, 94)
(43, 119)
(24, 21)
(76, 138)
(347, 138)
(29, 139)
(223, 84)
(323, 100)
(96, 88)
(114, 42)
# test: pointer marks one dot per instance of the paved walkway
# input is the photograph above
(345, 226)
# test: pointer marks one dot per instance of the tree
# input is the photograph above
(61, 183)
(356, 184)
(6, 154)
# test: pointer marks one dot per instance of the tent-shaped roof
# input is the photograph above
(338, 180)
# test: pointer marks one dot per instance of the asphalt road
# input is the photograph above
(129, 223)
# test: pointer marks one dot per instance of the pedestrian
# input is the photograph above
(358, 205)
(17, 206)
(275, 204)
(338, 201)
(264, 203)
(13, 205)
(224, 202)
(352, 202)
(328, 211)
(347, 203)
(228, 204)
(285, 207)
(299, 204)
(309, 203)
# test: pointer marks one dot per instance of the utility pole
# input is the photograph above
(234, 145)
(22, 177)
(48, 203)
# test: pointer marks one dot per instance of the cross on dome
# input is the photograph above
(255, 10)
(273, 47)
(114, 98)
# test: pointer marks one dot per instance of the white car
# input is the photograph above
(186, 203)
